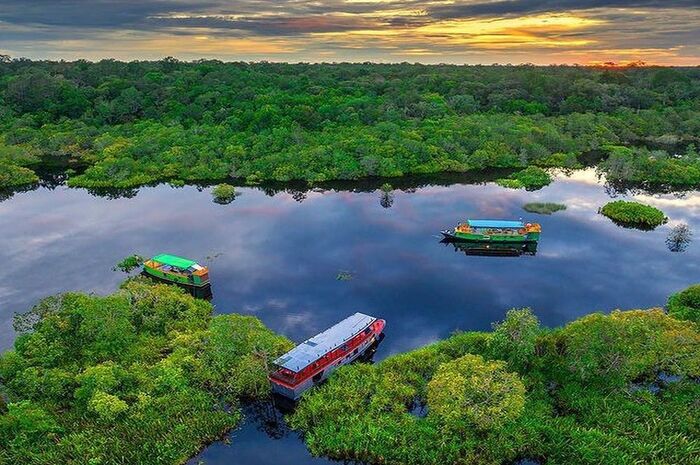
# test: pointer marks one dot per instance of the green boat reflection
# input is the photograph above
(493, 249)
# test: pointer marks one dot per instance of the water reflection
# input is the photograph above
(679, 238)
(493, 249)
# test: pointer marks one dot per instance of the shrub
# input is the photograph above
(633, 214)
(685, 305)
(543, 208)
(514, 339)
(531, 178)
(223, 193)
(471, 392)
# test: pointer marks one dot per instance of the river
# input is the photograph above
(302, 260)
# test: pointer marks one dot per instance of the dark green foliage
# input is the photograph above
(543, 208)
(584, 400)
(141, 376)
(531, 178)
(685, 305)
(143, 122)
(633, 214)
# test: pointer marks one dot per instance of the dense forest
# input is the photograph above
(118, 124)
(147, 375)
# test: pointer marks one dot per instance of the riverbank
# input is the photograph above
(281, 122)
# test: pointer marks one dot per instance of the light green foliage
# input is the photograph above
(633, 214)
(12, 175)
(223, 193)
(543, 208)
(575, 402)
(515, 338)
(685, 305)
(139, 376)
(470, 392)
(623, 346)
(207, 120)
(531, 178)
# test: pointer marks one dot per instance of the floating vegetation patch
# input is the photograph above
(633, 214)
(546, 208)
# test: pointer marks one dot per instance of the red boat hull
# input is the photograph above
(294, 389)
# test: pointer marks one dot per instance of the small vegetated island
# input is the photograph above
(124, 125)
(147, 375)
(633, 214)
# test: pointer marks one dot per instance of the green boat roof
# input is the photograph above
(174, 260)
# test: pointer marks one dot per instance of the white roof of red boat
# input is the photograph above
(314, 348)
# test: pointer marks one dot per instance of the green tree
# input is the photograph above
(515, 338)
(471, 392)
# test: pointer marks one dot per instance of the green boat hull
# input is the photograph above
(191, 281)
(503, 238)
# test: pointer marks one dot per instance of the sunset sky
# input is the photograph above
(449, 31)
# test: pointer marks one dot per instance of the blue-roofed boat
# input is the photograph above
(494, 231)
(312, 361)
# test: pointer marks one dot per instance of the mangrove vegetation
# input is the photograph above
(143, 376)
(591, 392)
(121, 125)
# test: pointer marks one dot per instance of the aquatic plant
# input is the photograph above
(543, 208)
(129, 264)
(685, 305)
(344, 275)
(570, 401)
(223, 193)
(145, 375)
(633, 214)
(531, 178)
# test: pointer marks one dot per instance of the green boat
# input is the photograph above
(177, 270)
(494, 231)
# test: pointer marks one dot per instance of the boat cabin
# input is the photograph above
(177, 269)
(313, 360)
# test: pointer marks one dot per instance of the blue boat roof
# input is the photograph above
(496, 224)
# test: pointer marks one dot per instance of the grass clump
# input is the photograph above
(633, 214)
(145, 375)
(545, 208)
(223, 193)
(531, 178)
(685, 305)
(562, 395)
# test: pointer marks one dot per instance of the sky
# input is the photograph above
(442, 31)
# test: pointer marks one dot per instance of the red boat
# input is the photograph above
(314, 360)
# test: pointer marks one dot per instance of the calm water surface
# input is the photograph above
(278, 257)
